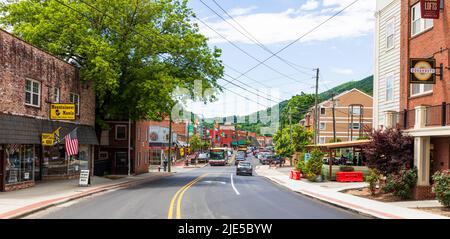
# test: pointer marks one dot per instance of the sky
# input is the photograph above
(342, 48)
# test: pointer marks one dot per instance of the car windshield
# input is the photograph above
(244, 164)
(217, 155)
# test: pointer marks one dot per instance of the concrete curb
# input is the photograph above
(43, 205)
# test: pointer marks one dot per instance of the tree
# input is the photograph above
(298, 105)
(134, 53)
(300, 138)
(389, 151)
(195, 143)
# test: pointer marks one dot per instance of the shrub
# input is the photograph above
(373, 178)
(346, 168)
(301, 166)
(402, 184)
(314, 164)
(441, 187)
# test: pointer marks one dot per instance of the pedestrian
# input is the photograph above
(165, 164)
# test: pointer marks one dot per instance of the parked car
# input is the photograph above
(203, 158)
(244, 168)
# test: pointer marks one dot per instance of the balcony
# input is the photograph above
(420, 117)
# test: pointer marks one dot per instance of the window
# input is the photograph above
(139, 134)
(75, 99)
(55, 95)
(355, 110)
(420, 89)
(33, 93)
(321, 140)
(418, 24)
(354, 126)
(390, 31)
(103, 155)
(322, 111)
(322, 126)
(121, 132)
(390, 88)
(19, 163)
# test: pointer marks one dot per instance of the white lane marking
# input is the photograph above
(232, 184)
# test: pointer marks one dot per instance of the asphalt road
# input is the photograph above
(211, 192)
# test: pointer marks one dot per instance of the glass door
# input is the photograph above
(38, 163)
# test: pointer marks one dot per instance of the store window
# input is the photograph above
(19, 163)
(33, 93)
(54, 161)
(418, 24)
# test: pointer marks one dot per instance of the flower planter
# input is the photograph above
(295, 175)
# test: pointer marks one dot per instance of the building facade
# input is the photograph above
(30, 81)
(425, 108)
(146, 146)
(353, 117)
(386, 96)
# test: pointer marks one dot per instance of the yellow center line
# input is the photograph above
(172, 201)
(180, 197)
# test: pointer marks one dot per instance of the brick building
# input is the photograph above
(30, 80)
(353, 114)
(149, 144)
(424, 108)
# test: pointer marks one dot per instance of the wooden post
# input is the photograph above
(330, 162)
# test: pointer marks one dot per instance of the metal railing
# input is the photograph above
(406, 119)
(437, 115)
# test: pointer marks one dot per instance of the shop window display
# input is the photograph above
(19, 163)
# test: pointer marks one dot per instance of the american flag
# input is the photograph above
(71, 143)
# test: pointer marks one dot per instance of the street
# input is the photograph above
(210, 193)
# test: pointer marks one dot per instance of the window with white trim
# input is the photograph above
(321, 140)
(75, 99)
(322, 110)
(121, 132)
(322, 126)
(354, 126)
(54, 94)
(390, 33)
(418, 24)
(390, 88)
(355, 110)
(420, 89)
(33, 93)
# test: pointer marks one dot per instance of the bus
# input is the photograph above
(218, 157)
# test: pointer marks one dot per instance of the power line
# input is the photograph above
(250, 36)
(246, 53)
(298, 39)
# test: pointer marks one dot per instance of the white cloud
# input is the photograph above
(310, 5)
(241, 11)
(288, 25)
(342, 71)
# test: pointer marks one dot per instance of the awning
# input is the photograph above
(26, 130)
(338, 145)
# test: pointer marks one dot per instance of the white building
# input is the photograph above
(386, 92)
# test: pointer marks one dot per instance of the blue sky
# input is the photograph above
(342, 48)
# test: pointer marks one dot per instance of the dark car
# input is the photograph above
(264, 159)
(275, 159)
(244, 168)
(239, 158)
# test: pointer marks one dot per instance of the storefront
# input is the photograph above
(24, 160)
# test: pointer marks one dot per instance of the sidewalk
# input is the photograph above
(19, 203)
(329, 192)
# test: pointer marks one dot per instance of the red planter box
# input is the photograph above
(349, 176)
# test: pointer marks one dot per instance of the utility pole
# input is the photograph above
(316, 116)
(129, 146)
(334, 117)
(169, 160)
(290, 124)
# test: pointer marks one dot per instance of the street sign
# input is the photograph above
(84, 178)
(422, 71)
(430, 9)
(307, 157)
(191, 129)
(48, 139)
(62, 111)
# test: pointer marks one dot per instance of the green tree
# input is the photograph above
(300, 138)
(134, 53)
(195, 143)
(298, 106)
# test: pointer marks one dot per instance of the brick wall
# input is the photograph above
(20, 61)
(425, 45)
(18, 186)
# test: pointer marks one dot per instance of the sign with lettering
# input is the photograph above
(430, 8)
(62, 111)
(48, 139)
(422, 71)
(84, 178)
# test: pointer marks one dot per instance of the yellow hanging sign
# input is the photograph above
(62, 111)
